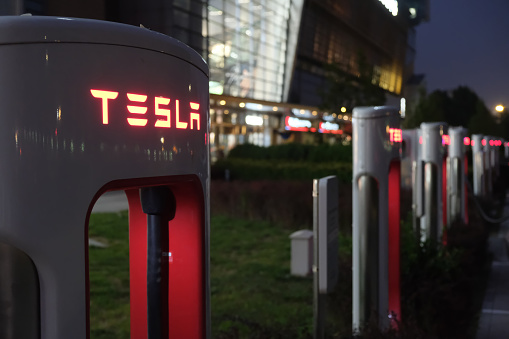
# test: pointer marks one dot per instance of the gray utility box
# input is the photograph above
(302, 252)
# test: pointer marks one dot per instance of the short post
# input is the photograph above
(326, 231)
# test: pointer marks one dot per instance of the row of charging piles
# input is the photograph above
(88, 107)
(439, 198)
(486, 163)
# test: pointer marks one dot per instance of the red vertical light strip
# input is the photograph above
(186, 269)
(394, 242)
(444, 200)
(466, 190)
(137, 265)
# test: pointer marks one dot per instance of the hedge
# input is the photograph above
(249, 169)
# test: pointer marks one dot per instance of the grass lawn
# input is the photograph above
(252, 292)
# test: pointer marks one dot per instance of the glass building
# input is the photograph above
(268, 58)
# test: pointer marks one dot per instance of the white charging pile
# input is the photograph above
(377, 141)
(91, 106)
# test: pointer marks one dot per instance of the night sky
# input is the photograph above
(466, 42)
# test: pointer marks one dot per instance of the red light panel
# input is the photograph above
(466, 141)
(483, 142)
(446, 140)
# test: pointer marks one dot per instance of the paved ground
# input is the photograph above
(494, 322)
(115, 201)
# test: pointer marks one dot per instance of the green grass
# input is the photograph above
(252, 291)
(109, 276)
(253, 294)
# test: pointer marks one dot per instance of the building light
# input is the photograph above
(391, 5)
(242, 105)
(254, 120)
(343, 109)
(222, 102)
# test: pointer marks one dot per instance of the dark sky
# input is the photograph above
(466, 42)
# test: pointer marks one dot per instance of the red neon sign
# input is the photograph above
(466, 141)
(296, 124)
(492, 143)
(137, 114)
(328, 127)
(483, 142)
(395, 135)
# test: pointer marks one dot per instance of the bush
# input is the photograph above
(249, 169)
(293, 152)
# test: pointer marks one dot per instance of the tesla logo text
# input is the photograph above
(163, 109)
(395, 135)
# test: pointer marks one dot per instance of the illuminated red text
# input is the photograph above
(395, 135)
(138, 109)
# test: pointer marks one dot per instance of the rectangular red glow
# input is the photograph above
(466, 141)
(161, 110)
(446, 140)
(395, 135)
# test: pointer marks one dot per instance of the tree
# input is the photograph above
(430, 108)
(459, 107)
(351, 86)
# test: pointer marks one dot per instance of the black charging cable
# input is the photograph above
(159, 204)
(485, 216)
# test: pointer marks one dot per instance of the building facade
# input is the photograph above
(268, 58)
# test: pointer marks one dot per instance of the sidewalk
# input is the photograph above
(114, 201)
(494, 321)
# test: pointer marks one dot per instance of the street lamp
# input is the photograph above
(499, 108)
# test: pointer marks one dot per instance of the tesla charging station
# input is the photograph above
(432, 220)
(478, 164)
(87, 107)
(377, 141)
(457, 172)
(412, 150)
